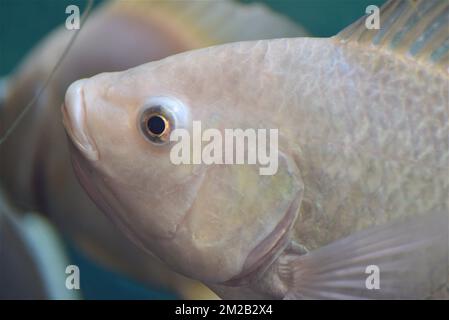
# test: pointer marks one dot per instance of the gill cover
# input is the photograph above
(235, 211)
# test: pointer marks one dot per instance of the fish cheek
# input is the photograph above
(235, 210)
(151, 213)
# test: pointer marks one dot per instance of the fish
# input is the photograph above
(36, 170)
(32, 259)
(358, 207)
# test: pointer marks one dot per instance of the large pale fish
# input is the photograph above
(35, 164)
(361, 190)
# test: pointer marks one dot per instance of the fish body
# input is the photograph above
(36, 169)
(363, 160)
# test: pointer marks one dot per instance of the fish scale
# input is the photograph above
(401, 149)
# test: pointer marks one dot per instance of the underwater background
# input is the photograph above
(23, 23)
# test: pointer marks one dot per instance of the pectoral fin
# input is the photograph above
(407, 259)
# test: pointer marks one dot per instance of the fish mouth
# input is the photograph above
(74, 120)
(261, 257)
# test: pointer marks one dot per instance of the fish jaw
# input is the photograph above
(74, 119)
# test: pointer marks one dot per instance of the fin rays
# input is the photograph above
(418, 29)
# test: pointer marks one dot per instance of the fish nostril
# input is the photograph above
(74, 119)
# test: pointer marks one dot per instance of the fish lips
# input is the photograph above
(74, 119)
(267, 251)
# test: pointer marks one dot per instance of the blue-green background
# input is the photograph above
(24, 22)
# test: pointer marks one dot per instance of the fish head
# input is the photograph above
(213, 222)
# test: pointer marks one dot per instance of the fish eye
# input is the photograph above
(156, 124)
(159, 117)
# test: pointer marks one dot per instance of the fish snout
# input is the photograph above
(75, 119)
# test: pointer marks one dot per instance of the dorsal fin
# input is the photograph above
(415, 28)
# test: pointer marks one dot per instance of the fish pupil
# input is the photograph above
(156, 125)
